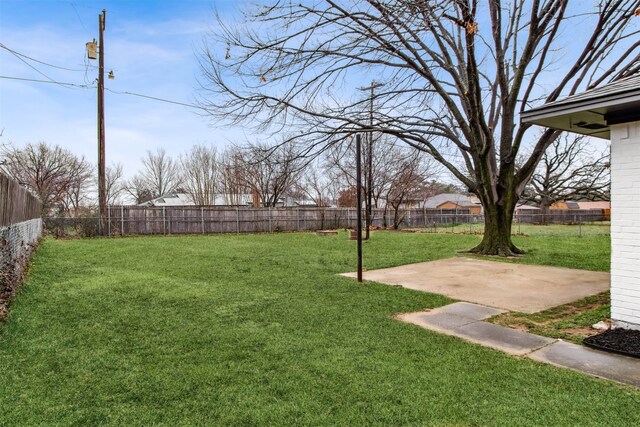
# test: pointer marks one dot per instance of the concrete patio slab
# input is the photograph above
(514, 287)
(613, 367)
(498, 337)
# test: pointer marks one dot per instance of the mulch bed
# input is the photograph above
(623, 341)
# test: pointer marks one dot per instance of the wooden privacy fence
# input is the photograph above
(139, 220)
(16, 203)
(134, 220)
(561, 216)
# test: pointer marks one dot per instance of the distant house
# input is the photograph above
(249, 200)
(184, 199)
(526, 208)
(580, 205)
(564, 205)
(454, 201)
(594, 205)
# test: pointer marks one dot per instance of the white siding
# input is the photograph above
(625, 224)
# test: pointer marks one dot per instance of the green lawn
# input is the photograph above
(259, 330)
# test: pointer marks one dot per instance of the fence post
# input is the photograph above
(298, 219)
(164, 220)
(169, 222)
(270, 228)
(109, 219)
(121, 220)
(202, 218)
(237, 220)
(424, 213)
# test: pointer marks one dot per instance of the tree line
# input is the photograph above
(67, 183)
(400, 176)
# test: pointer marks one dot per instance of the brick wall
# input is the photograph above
(625, 224)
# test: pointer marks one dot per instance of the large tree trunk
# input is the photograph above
(497, 231)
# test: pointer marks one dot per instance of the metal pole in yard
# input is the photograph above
(424, 213)
(359, 205)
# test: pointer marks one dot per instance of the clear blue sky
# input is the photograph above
(151, 48)
(149, 45)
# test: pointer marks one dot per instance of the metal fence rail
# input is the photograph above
(136, 220)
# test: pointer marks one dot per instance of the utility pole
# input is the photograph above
(102, 190)
(359, 205)
(369, 207)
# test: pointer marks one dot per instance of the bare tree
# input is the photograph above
(407, 182)
(340, 165)
(139, 190)
(316, 185)
(160, 173)
(54, 174)
(232, 181)
(114, 183)
(78, 193)
(456, 75)
(270, 171)
(569, 170)
(200, 174)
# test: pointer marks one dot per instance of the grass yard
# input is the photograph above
(570, 322)
(258, 330)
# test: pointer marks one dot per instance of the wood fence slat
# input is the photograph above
(16, 203)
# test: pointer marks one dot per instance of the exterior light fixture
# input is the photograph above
(110, 76)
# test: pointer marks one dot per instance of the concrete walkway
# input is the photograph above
(465, 320)
(510, 286)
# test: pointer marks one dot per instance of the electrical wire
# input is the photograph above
(69, 85)
(155, 98)
(22, 55)
(87, 86)
(79, 18)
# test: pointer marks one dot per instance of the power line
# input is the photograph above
(86, 86)
(31, 66)
(22, 55)
(79, 18)
(156, 99)
(48, 81)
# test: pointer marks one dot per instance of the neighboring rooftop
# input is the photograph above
(591, 112)
(459, 199)
(594, 205)
(184, 199)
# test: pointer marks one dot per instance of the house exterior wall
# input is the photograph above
(449, 205)
(473, 209)
(625, 224)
